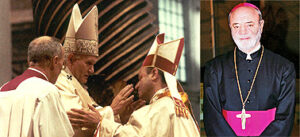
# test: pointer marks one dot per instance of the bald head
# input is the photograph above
(246, 10)
(44, 48)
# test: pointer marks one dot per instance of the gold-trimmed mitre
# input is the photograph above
(82, 34)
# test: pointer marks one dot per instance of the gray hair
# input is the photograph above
(42, 49)
(258, 11)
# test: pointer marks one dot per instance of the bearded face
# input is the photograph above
(246, 28)
(247, 42)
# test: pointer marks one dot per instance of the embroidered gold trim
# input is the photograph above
(81, 46)
(180, 109)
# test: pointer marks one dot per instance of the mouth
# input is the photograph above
(245, 38)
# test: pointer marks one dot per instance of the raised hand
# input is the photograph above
(128, 110)
(122, 99)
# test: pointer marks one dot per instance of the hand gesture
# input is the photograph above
(128, 110)
(122, 99)
(84, 118)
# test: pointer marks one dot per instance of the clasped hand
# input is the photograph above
(84, 118)
(90, 119)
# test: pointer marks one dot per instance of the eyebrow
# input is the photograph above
(235, 24)
(246, 22)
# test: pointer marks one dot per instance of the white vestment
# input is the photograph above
(158, 119)
(74, 95)
(33, 109)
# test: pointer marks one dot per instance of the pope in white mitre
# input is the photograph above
(81, 47)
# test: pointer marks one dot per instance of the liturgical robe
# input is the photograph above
(158, 119)
(30, 106)
(273, 91)
(74, 95)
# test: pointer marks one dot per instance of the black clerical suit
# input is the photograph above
(274, 87)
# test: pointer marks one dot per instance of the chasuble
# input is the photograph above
(74, 95)
(30, 106)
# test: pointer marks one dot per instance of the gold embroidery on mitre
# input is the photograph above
(69, 45)
(81, 46)
(88, 47)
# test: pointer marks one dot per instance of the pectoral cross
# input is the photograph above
(243, 117)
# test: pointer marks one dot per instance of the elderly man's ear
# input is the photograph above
(72, 58)
(54, 62)
(261, 23)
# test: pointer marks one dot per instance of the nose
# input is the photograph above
(243, 30)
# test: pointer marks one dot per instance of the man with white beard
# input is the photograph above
(249, 91)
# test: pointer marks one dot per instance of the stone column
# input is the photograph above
(5, 43)
(192, 49)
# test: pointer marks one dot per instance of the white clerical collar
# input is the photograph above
(39, 72)
(249, 54)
